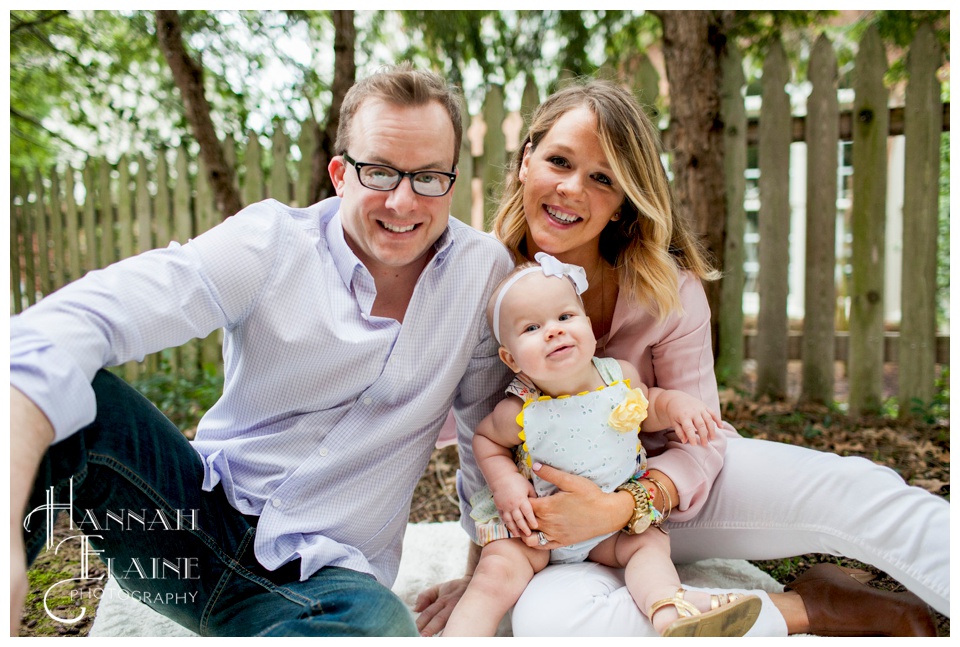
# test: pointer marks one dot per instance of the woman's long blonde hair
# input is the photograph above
(649, 242)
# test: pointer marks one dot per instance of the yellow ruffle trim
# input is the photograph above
(631, 412)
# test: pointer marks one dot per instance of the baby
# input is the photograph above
(578, 413)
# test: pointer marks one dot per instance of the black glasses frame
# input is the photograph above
(400, 175)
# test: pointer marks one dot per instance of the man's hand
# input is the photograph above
(578, 511)
(30, 435)
(436, 604)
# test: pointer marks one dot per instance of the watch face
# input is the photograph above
(641, 524)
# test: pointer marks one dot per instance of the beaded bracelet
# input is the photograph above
(657, 517)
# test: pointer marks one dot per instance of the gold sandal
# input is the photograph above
(730, 614)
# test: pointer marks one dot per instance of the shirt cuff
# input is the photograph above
(693, 471)
(53, 381)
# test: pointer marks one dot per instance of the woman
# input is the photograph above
(588, 187)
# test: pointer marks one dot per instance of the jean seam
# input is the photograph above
(221, 585)
(57, 490)
(151, 493)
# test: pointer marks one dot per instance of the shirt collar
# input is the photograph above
(344, 258)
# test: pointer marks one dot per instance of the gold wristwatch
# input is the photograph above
(641, 518)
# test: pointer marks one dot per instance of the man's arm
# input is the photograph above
(30, 436)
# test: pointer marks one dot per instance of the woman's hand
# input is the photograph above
(578, 511)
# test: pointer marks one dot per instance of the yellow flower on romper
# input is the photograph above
(628, 415)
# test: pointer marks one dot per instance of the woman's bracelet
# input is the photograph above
(645, 514)
(665, 495)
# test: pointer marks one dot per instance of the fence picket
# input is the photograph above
(920, 205)
(279, 176)
(144, 208)
(729, 365)
(821, 227)
(16, 254)
(42, 242)
(72, 219)
(108, 247)
(494, 153)
(89, 216)
(461, 206)
(56, 230)
(306, 144)
(869, 223)
(253, 180)
(164, 208)
(124, 209)
(774, 225)
(27, 237)
(54, 240)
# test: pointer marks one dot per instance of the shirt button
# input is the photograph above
(276, 502)
(367, 400)
(324, 451)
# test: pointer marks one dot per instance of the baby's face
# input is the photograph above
(543, 328)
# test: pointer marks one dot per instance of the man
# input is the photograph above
(351, 328)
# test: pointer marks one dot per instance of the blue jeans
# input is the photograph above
(185, 552)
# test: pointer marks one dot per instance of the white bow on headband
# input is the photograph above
(550, 266)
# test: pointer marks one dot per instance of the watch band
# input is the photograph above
(641, 519)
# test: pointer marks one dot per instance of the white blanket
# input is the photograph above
(432, 553)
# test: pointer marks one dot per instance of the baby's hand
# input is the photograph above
(512, 498)
(691, 419)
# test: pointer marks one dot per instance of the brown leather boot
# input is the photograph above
(839, 604)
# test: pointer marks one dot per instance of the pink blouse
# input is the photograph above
(674, 354)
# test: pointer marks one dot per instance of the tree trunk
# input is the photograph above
(188, 75)
(692, 44)
(344, 76)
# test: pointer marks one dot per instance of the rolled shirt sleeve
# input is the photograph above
(143, 304)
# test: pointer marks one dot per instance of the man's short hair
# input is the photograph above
(401, 85)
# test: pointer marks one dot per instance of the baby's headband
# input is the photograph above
(550, 267)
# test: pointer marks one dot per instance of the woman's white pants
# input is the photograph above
(770, 501)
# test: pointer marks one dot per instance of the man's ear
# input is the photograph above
(507, 359)
(337, 168)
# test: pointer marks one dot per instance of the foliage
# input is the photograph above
(928, 413)
(183, 400)
(95, 83)
(754, 31)
(897, 28)
(505, 45)
(86, 72)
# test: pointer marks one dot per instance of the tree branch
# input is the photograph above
(39, 21)
(344, 76)
(188, 76)
(16, 114)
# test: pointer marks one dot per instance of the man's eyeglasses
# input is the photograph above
(378, 177)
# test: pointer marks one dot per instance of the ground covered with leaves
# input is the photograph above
(919, 450)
